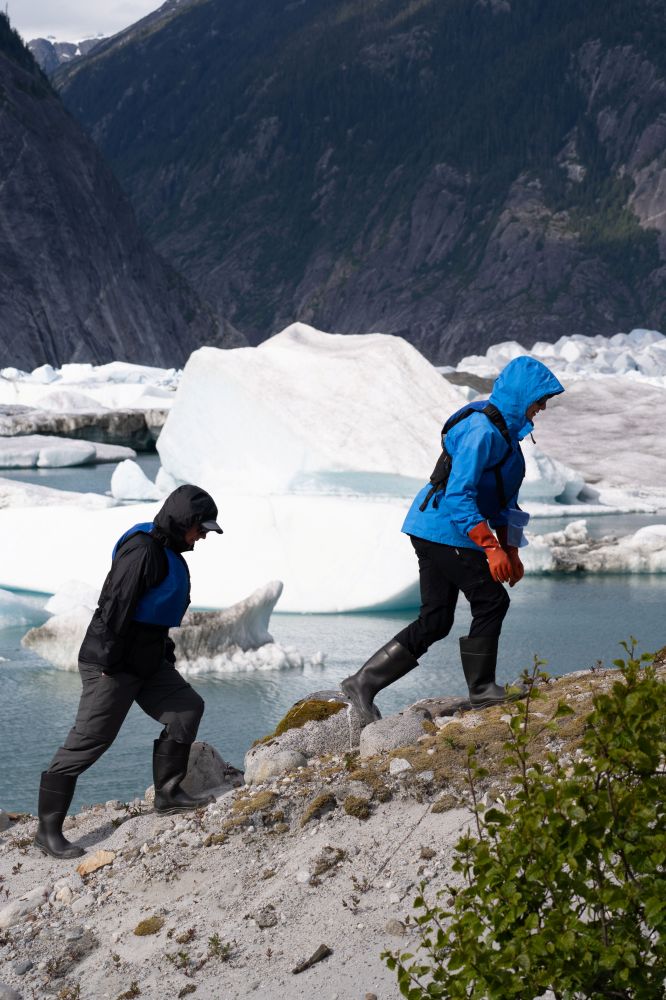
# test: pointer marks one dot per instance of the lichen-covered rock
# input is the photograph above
(394, 731)
(321, 723)
(270, 762)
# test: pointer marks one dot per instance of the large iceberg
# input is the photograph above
(308, 411)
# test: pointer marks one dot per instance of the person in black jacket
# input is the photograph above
(127, 656)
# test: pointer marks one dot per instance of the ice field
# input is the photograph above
(313, 445)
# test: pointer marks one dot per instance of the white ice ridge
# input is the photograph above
(579, 356)
(45, 451)
(86, 387)
(236, 639)
(338, 553)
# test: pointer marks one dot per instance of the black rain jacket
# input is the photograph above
(113, 640)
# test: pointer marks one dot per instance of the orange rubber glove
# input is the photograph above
(517, 568)
(498, 560)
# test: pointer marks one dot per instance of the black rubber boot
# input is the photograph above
(387, 665)
(55, 796)
(479, 660)
(169, 769)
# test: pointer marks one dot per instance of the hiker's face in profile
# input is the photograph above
(535, 408)
(195, 534)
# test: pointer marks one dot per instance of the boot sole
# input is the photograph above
(79, 852)
(170, 810)
(497, 701)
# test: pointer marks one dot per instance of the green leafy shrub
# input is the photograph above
(564, 888)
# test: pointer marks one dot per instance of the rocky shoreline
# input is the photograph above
(288, 887)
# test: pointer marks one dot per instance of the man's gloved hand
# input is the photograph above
(498, 560)
(517, 568)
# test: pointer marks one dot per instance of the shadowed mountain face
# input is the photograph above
(457, 172)
(78, 280)
(50, 54)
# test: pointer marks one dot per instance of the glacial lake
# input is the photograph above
(571, 621)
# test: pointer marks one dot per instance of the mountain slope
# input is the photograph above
(50, 54)
(78, 281)
(456, 172)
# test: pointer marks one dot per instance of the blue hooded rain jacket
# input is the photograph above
(475, 446)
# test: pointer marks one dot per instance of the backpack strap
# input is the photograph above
(440, 474)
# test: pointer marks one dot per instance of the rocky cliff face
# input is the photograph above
(456, 172)
(49, 54)
(78, 281)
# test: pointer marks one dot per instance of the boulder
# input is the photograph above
(399, 730)
(323, 722)
(5, 821)
(206, 772)
(271, 762)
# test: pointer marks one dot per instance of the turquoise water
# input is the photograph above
(571, 621)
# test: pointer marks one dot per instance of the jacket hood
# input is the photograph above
(186, 506)
(522, 382)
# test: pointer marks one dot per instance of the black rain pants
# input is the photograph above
(444, 571)
(107, 698)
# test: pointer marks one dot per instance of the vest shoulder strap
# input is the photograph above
(440, 474)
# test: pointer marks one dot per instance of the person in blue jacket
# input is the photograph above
(449, 524)
(128, 656)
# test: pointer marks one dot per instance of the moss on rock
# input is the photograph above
(308, 710)
(151, 925)
(322, 803)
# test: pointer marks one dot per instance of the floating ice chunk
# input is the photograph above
(15, 494)
(19, 610)
(43, 375)
(43, 451)
(571, 550)
(46, 451)
(229, 641)
(59, 639)
(129, 482)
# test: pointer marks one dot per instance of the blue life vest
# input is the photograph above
(166, 603)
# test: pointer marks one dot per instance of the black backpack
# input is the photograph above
(442, 471)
